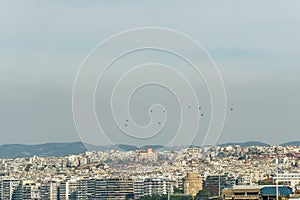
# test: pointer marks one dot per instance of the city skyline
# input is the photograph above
(150, 100)
(193, 173)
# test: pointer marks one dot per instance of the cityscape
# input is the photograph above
(213, 172)
(150, 100)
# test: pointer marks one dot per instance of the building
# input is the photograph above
(10, 189)
(270, 192)
(157, 186)
(81, 189)
(120, 188)
(148, 154)
(242, 193)
(138, 188)
(101, 189)
(67, 190)
(49, 190)
(192, 184)
(257, 192)
(113, 188)
(216, 183)
(28, 188)
(292, 180)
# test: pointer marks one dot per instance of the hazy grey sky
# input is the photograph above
(255, 44)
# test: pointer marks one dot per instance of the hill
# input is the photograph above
(293, 143)
(44, 150)
(246, 144)
(65, 149)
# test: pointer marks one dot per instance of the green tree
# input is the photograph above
(203, 194)
(178, 191)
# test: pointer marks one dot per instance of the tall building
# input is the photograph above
(81, 189)
(91, 188)
(216, 183)
(138, 187)
(120, 188)
(28, 188)
(113, 188)
(10, 189)
(49, 190)
(18, 190)
(192, 184)
(67, 190)
(153, 186)
(101, 189)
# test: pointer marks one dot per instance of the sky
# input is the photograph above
(255, 45)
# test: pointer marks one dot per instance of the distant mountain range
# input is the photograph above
(246, 144)
(48, 149)
(293, 143)
(65, 149)
(60, 149)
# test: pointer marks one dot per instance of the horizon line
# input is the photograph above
(105, 145)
